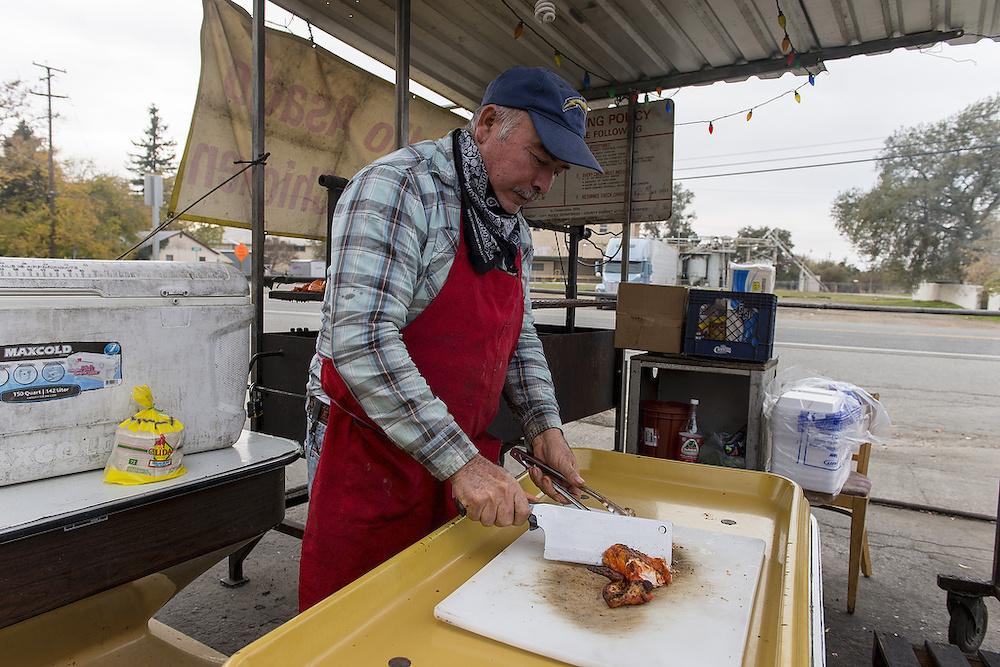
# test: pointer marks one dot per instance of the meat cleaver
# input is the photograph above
(582, 536)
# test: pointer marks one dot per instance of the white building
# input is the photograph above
(178, 246)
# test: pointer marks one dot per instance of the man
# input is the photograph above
(426, 320)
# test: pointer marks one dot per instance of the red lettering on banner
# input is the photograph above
(294, 111)
(319, 113)
(284, 184)
(342, 119)
(277, 86)
(303, 181)
(384, 133)
(228, 167)
(270, 174)
(202, 152)
(237, 82)
(191, 170)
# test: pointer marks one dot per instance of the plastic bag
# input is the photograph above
(724, 449)
(815, 423)
(147, 446)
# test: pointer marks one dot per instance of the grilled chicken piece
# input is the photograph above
(621, 593)
(633, 576)
(637, 566)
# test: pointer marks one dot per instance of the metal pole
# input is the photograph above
(52, 179)
(257, 189)
(621, 419)
(402, 73)
(572, 275)
(629, 150)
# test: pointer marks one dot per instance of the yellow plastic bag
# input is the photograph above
(147, 446)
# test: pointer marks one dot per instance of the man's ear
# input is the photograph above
(486, 123)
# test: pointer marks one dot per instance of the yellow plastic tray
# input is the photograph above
(389, 613)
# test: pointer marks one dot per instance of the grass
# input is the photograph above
(863, 299)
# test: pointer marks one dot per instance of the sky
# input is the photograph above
(121, 56)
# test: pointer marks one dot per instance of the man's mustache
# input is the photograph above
(530, 195)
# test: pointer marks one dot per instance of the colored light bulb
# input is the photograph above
(812, 80)
(669, 106)
(711, 128)
(781, 19)
(798, 98)
(750, 114)
(558, 58)
(785, 45)
(519, 29)
(586, 79)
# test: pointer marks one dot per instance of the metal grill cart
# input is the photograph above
(966, 607)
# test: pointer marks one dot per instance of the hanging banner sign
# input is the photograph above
(323, 115)
(581, 196)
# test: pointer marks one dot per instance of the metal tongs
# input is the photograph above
(560, 484)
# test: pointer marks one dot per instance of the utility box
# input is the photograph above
(77, 335)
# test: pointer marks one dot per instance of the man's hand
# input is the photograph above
(551, 447)
(490, 494)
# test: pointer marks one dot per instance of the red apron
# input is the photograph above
(370, 499)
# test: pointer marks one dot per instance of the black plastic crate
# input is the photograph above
(730, 325)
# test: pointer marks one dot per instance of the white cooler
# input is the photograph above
(813, 433)
(77, 335)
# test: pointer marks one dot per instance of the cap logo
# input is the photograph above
(575, 102)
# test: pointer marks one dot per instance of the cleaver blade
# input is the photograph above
(582, 536)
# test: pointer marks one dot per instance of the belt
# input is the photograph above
(319, 410)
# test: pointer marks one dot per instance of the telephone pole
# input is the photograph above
(52, 179)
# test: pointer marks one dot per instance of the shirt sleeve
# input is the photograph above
(528, 389)
(381, 227)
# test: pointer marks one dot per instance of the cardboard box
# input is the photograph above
(651, 317)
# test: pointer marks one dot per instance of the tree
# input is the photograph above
(13, 104)
(98, 217)
(679, 224)
(156, 156)
(278, 252)
(834, 272)
(24, 181)
(937, 188)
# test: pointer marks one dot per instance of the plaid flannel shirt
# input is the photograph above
(395, 235)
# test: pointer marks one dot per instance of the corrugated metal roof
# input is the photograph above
(626, 46)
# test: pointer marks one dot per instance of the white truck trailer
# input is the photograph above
(650, 261)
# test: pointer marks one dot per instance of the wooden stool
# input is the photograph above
(852, 501)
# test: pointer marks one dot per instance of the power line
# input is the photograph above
(836, 164)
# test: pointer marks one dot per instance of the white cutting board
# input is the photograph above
(556, 609)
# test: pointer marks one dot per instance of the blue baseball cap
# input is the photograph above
(557, 110)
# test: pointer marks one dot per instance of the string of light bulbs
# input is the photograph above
(792, 58)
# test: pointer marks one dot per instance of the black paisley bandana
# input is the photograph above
(491, 234)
